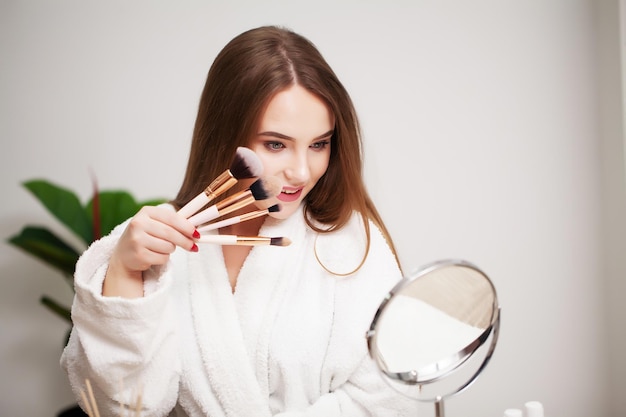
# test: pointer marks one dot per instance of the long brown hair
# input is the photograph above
(245, 75)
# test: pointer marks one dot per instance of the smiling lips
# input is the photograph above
(288, 195)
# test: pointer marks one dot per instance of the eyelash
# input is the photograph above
(321, 144)
(276, 146)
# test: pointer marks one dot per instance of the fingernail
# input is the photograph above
(194, 248)
(196, 234)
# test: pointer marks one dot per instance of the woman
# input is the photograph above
(202, 329)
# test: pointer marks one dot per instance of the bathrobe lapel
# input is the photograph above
(222, 348)
(261, 286)
(234, 331)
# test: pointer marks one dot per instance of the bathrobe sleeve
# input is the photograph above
(124, 347)
(353, 383)
(363, 395)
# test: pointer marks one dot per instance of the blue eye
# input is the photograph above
(321, 144)
(274, 146)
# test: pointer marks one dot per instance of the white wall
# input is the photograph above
(611, 119)
(489, 129)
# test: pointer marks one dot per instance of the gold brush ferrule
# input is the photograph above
(244, 201)
(233, 199)
(252, 215)
(220, 184)
(253, 240)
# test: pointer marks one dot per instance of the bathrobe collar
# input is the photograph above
(233, 330)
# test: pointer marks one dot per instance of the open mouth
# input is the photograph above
(288, 195)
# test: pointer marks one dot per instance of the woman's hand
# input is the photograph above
(149, 239)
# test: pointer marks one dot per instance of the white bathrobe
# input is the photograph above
(290, 341)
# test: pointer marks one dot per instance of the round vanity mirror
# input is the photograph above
(435, 331)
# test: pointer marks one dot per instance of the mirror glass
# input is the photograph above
(430, 325)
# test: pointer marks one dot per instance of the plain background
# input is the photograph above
(492, 130)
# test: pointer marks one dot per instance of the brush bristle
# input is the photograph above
(265, 188)
(280, 241)
(246, 164)
(274, 209)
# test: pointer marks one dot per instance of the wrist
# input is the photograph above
(121, 282)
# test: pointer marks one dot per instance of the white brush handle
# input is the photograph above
(219, 239)
(217, 225)
(205, 216)
(194, 205)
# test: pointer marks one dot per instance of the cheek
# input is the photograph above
(320, 166)
(263, 155)
(271, 164)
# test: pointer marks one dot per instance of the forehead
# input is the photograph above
(296, 111)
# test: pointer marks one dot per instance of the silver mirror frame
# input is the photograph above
(449, 364)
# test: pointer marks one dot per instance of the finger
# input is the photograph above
(163, 225)
(172, 219)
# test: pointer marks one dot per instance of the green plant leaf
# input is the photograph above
(64, 205)
(115, 208)
(111, 209)
(56, 308)
(46, 246)
(153, 202)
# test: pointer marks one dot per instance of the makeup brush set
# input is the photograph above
(245, 165)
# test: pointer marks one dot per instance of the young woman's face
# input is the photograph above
(293, 143)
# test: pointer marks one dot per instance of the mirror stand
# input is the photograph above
(439, 407)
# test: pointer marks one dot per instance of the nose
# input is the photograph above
(297, 171)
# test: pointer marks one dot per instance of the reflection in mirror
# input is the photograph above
(430, 325)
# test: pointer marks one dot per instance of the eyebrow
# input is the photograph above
(281, 136)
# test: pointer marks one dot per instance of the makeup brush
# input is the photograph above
(238, 219)
(261, 189)
(245, 164)
(244, 240)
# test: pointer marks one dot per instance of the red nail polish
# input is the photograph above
(194, 248)
(196, 234)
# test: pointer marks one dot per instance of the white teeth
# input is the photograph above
(289, 192)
